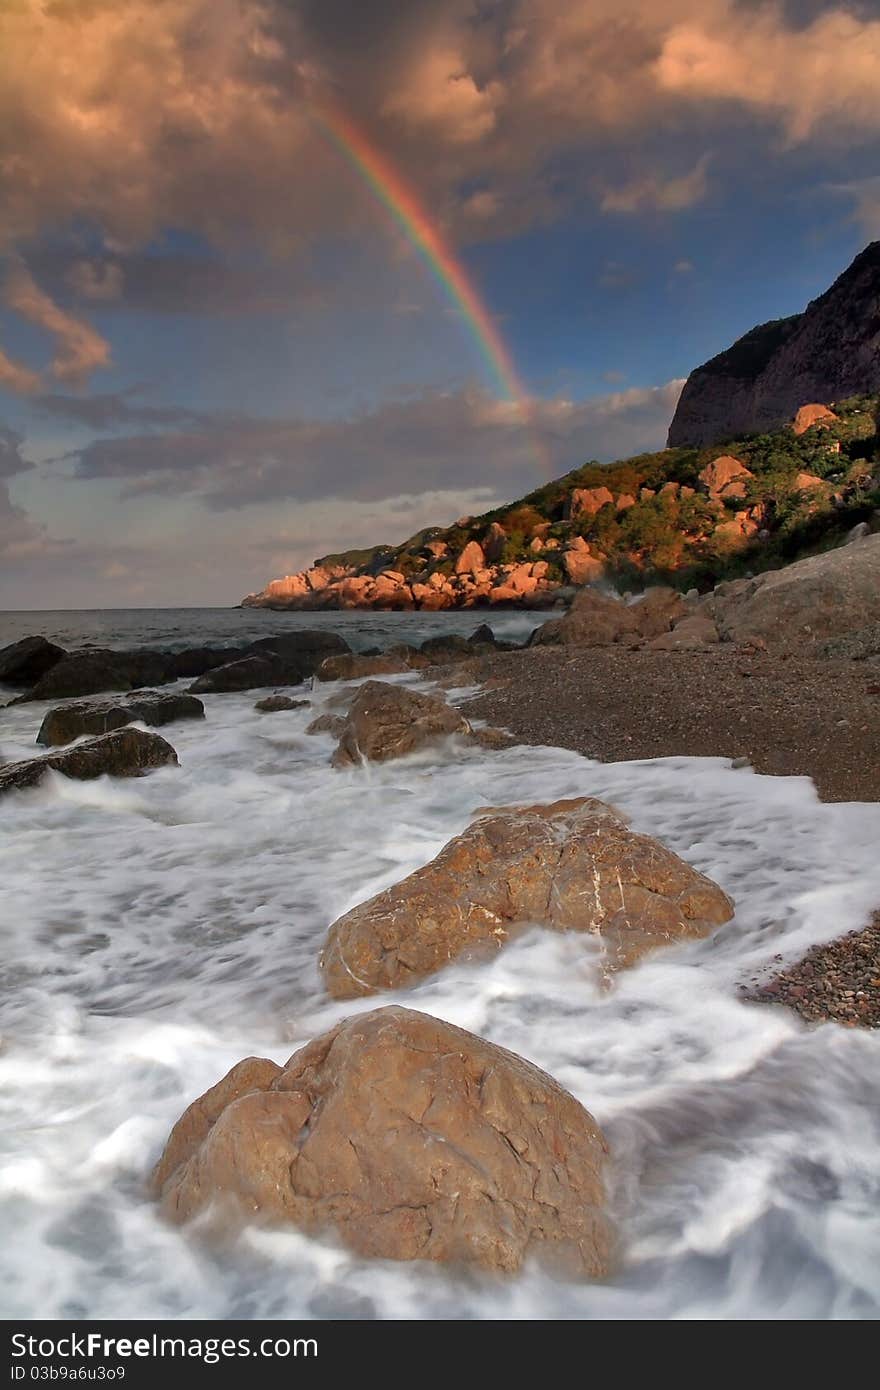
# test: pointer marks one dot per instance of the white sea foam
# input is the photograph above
(155, 932)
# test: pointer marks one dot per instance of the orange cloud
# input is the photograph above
(80, 348)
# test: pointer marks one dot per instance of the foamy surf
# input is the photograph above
(157, 931)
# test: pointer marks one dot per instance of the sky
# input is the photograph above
(282, 277)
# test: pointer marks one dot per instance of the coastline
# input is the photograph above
(790, 717)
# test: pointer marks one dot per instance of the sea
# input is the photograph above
(156, 931)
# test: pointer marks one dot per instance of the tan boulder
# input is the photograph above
(721, 472)
(387, 721)
(437, 549)
(690, 633)
(646, 493)
(569, 866)
(813, 414)
(327, 724)
(625, 501)
(471, 559)
(807, 602)
(580, 564)
(349, 666)
(808, 482)
(587, 501)
(598, 620)
(407, 1137)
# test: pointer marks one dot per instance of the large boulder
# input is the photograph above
(286, 659)
(195, 661)
(96, 669)
(725, 476)
(123, 753)
(805, 603)
(248, 673)
(26, 661)
(471, 559)
(813, 414)
(352, 666)
(596, 619)
(387, 721)
(587, 501)
(570, 866)
(407, 1137)
(67, 722)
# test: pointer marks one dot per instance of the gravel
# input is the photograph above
(799, 716)
(839, 982)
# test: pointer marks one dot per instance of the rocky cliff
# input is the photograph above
(829, 352)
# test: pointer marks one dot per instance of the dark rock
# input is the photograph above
(273, 704)
(248, 673)
(447, 647)
(123, 753)
(827, 353)
(483, 636)
(195, 661)
(93, 671)
(26, 661)
(68, 722)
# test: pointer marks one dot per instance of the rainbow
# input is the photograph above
(390, 190)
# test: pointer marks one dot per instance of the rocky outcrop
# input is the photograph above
(26, 661)
(587, 501)
(805, 604)
(406, 1137)
(829, 352)
(810, 415)
(596, 619)
(94, 670)
(283, 660)
(388, 721)
(68, 722)
(123, 753)
(724, 477)
(569, 866)
(580, 564)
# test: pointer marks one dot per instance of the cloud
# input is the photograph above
(16, 377)
(865, 196)
(656, 194)
(130, 116)
(400, 448)
(113, 410)
(101, 280)
(80, 349)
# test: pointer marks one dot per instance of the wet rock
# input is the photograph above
(195, 661)
(351, 666)
(248, 673)
(407, 1137)
(327, 724)
(123, 753)
(24, 662)
(483, 636)
(447, 647)
(570, 866)
(273, 704)
(68, 722)
(95, 670)
(388, 721)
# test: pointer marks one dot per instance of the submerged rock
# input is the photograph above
(387, 721)
(273, 704)
(571, 866)
(409, 1138)
(123, 753)
(26, 661)
(68, 722)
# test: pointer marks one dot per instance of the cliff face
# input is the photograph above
(828, 353)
